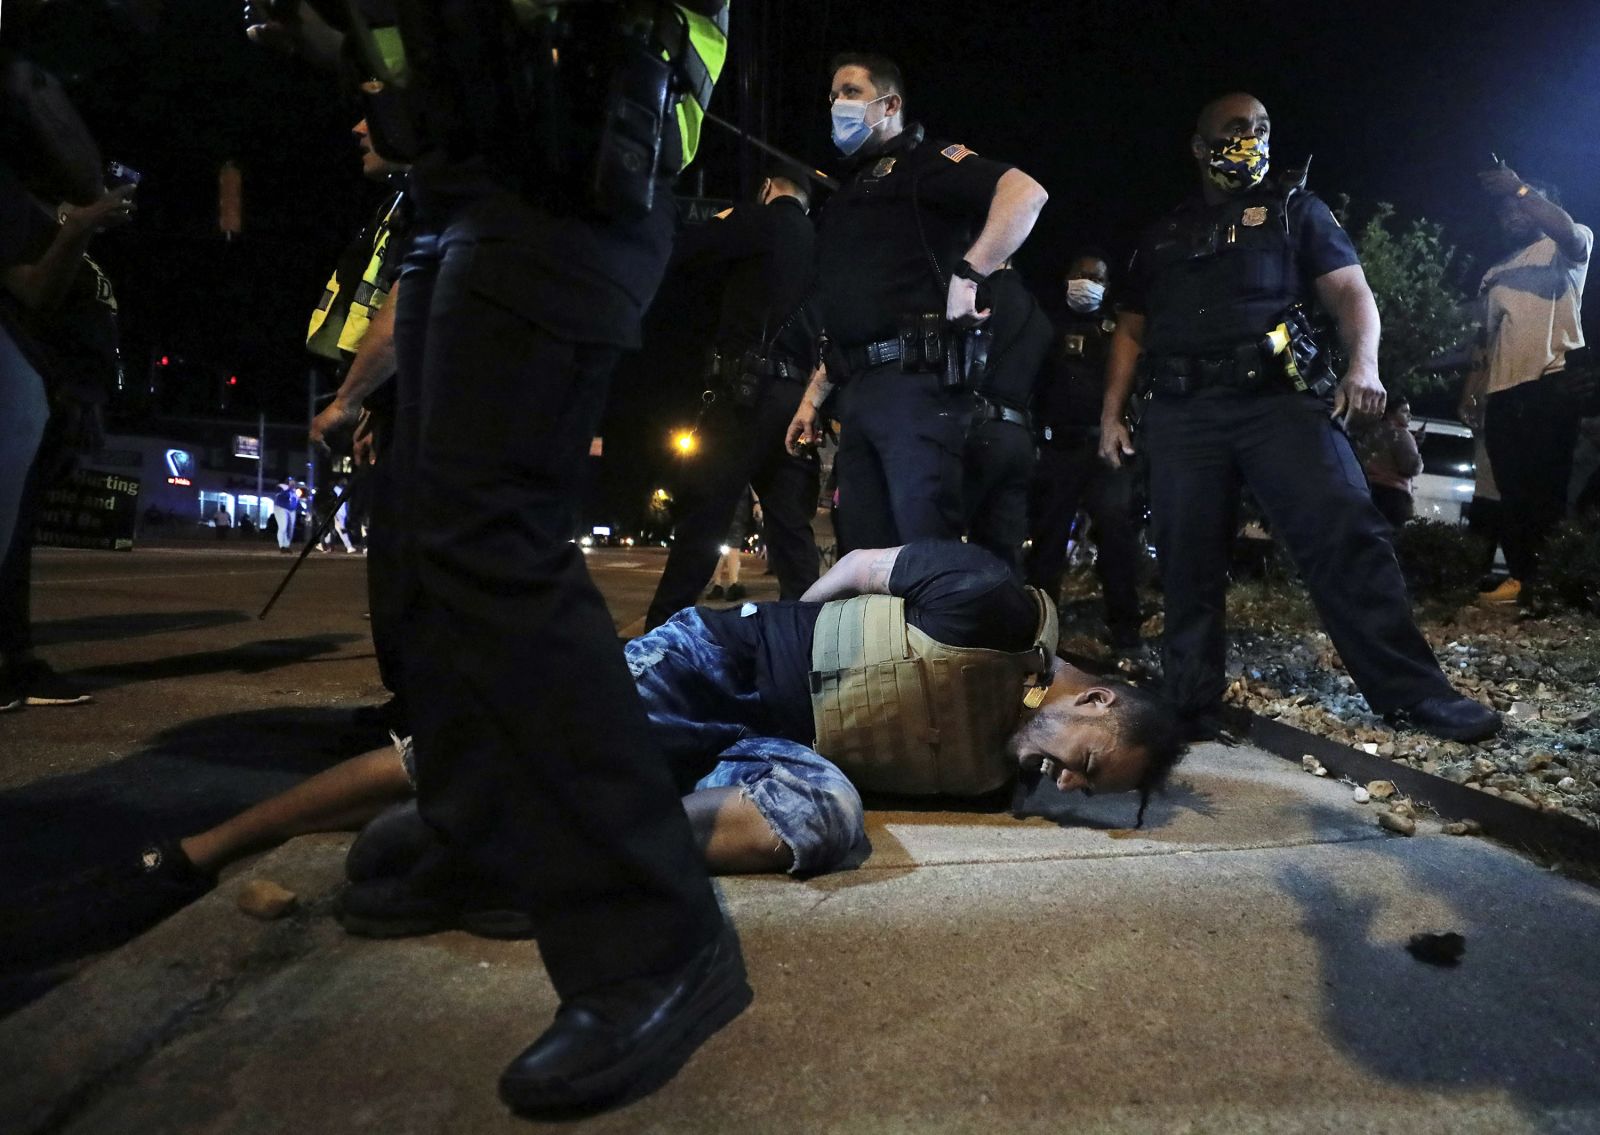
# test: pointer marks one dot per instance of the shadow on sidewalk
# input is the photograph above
(56, 834)
(104, 628)
(250, 658)
(1517, 1015)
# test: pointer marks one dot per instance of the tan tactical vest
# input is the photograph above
(901, 713)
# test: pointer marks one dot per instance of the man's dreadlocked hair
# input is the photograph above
(1147, 721)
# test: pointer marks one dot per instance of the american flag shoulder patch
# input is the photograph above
(957, 152)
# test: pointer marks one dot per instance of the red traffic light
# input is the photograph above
(165, 360)
(233, 380)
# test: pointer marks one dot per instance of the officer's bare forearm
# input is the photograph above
(819, 388)
(1012, 214)
(375, 361)
(1344, 292)
(865, 571)
(1122, 360)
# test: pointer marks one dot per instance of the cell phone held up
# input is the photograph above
(118, 175)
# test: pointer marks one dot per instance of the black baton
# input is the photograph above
(316, 538)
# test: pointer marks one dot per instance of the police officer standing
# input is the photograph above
(540, 139)
(1070, 474)
(763, 354)
(1216, 304)
(1002, 361)
(353, 324)
(902, 248)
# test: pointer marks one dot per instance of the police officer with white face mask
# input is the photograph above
(1070, 474)
(901, 250)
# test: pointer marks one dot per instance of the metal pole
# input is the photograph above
(261, 460)
(311, 450)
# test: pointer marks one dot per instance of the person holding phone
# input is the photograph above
(1532, 319)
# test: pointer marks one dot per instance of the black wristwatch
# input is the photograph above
(967, 272)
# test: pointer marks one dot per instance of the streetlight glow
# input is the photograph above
(685, 442)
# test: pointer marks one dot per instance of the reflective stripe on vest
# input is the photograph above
(342, 335)
(699, 63)
(900, 712)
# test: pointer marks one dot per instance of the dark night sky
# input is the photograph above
(1399, 101)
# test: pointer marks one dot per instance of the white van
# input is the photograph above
(1449, 469)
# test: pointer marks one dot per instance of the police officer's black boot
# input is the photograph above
(1454, 717)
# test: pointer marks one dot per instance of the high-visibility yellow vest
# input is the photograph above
(700, 65)
(337, 328)
(900, 712)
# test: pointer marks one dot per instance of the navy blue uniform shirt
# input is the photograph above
(1210, 277)
(872, 263)
(1073, 385)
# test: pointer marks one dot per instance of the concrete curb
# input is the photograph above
(59, 1053)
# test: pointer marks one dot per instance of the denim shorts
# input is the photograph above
(709, 720)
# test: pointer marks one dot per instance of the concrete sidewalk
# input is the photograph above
(1236, 967)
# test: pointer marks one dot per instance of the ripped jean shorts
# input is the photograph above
(709, 720)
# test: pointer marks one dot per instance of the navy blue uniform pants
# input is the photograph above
(743, 446)
(534, 757)
(998, 466)
(1071, 476)
(1302, 471)
(899, 461)
(385, 564)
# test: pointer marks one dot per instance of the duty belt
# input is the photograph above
(865, 356)
(1180, 375)
(733, 365)
(988, 411)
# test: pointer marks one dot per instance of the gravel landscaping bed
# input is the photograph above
(1541, 673)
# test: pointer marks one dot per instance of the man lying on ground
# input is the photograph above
(924, 670)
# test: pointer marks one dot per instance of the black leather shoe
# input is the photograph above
(435, 896)
(1453, 717)
(624, 1042)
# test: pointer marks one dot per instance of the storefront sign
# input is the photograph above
(247, 447)
(90, 510)
(180, 463)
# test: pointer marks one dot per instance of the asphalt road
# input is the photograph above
(200, 708)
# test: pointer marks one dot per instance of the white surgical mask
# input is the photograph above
(850, 128)
(1084, 296)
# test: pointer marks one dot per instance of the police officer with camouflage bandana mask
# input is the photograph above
(1216, 305)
